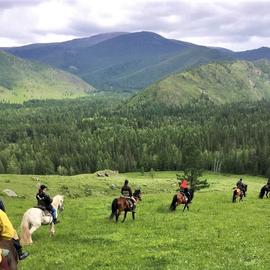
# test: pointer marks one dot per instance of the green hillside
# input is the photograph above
(22, 80)
(218, 82)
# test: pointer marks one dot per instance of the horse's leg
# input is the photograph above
(117, 215)
(184, 207)
(52, 229)
(32, 230)
(133, 215)
(125, 215)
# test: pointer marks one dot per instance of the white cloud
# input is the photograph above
(234, 24)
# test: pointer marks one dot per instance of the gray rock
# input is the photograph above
(10, 193)
(113, 186)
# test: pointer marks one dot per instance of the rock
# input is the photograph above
(10, 193)
(113, 186)
(106, 173)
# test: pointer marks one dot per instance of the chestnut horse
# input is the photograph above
(121, 204)
(180, 198)
(12, 258)
(238, 193)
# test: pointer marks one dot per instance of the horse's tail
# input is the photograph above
(114, 208)
(191, 192)
(262, 192)
(234, 195)
(173, 204)
(25, 237)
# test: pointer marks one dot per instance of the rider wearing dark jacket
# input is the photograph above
(127, 193)
(241, 186)
(126, 190)
(45, 201)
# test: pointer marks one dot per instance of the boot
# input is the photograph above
(55, 221)
(22, 254)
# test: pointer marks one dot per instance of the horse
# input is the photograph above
(264, 191)
(121, 204)
(33, 218)
(180, 198)
(10, 261)
(238, 193)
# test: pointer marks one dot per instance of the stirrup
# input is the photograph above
(23, 255)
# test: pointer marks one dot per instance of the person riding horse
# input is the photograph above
(127, 193)
(184, 189)
(241, 186)
(44, 202)
(7, 232)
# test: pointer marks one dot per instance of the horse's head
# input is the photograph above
(58, 202)
(137, 194)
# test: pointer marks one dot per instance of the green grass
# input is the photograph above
(214, 234)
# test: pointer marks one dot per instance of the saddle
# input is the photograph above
(185, 196)
(44, 210)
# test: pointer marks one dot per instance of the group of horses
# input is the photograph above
(121, 204)
(32, 219)
(240, 193)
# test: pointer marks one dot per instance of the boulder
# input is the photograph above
(10, 193)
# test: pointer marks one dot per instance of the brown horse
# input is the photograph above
(180, 198)
(121, 204)
(238, 193)
(12, 257)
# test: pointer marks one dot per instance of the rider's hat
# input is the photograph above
(43, 187)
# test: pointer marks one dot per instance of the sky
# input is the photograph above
(237, 25)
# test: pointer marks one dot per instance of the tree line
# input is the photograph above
(85, 135)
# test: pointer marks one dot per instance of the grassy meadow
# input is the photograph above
(214, 234)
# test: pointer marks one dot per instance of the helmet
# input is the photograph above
(43, 187)
(126, 182)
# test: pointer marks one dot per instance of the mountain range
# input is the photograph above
(128, 61)
(132, 61)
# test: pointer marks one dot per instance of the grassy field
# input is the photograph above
(214, 234)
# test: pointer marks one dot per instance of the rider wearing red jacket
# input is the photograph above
(184, 188)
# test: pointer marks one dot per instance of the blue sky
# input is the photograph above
(237, 25)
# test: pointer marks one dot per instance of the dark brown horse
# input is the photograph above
(264, 191)
(121, 204)
(12, 257)
(180, 198)
(238, 193)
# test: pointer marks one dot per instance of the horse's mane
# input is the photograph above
(137, 192)
(57, 198)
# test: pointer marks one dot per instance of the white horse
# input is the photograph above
(33, 218)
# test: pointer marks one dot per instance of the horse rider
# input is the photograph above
(7, 232)
(241, 186)
(184, 188)
(45, 202)
(127, 193)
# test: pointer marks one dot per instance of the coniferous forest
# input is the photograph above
(88, 134)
